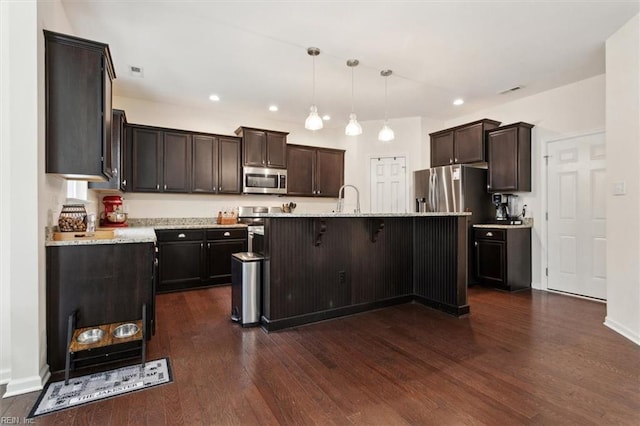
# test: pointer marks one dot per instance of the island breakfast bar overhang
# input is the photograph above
(322, 266)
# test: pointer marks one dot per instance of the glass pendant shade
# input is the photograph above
(353, 128)
(313, 121)
(386, 134)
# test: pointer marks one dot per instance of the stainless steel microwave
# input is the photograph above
(261, 180)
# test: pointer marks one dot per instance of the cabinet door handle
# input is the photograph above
(455, 160)
(489, 234)
(219, 188)
(115, 172)
(450, 160)
(158, 187)
(227, 234)
(165, 187)
(319, 192)
(201, 246)
(208, 246)
(124, 183)
(182, 236)
(476, 244)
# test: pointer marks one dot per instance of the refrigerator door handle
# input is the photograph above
(433, 181)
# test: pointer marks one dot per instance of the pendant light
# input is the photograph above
(353, 128)
(386, 133)
(313, 121)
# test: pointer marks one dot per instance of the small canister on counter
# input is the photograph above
(73, 218)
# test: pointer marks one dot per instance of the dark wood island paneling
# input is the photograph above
(328, 266)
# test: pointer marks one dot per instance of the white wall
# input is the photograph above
(566, 111)
(30, 199)
(623, 158)
(360, 149)
(5, 222)
(209, 120)
(409, 142)
(20, 192)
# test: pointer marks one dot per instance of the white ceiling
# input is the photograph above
(253, 53)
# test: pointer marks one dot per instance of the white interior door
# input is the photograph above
(388, 185)
(576, 186)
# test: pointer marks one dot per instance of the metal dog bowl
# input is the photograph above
(125, 330)
(90, 336)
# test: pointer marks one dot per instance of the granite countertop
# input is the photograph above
(121, 236)
(180, 223)
(143, 231)
(329, 215)
(527, 223)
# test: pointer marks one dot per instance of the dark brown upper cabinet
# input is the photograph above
(509, 157)
(160, 160)
(263, 148)
(176, 159)
(169, 160)
(230, 175)
(216, 164)
(463, 144)
(146, 159)
(314, 171)
(78, 75)
(117, 181)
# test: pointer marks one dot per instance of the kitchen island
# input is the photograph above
(321, 266)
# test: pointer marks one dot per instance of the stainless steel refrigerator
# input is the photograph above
(455, 188)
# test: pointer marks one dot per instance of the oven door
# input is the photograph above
(258, 180)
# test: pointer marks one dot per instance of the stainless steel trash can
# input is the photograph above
(246, 287)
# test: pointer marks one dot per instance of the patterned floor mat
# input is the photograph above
(81, 390)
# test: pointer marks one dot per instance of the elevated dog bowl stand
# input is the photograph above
(108, 339)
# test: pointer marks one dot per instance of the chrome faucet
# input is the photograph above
(341, 199)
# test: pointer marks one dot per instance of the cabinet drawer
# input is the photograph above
(226, 234)
(490, 234)
(179, 234)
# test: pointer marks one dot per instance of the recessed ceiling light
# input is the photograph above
(273, 108)
(458, 101)
(214, 98)
(326, 117)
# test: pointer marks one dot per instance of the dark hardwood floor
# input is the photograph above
(523, 358)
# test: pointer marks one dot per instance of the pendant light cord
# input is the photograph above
(313, 91)
(386, 106)
(352, 80)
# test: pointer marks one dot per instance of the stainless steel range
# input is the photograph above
(255, 225)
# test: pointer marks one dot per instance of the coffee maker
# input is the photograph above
(506, 208)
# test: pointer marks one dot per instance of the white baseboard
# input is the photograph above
(621, 329)
(5, 376)
(536, 286)
(28, 384)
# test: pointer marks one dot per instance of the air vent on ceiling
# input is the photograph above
(136, 71)
(513, 89)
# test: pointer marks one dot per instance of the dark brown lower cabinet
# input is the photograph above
(221, 244)
(104, 283)
(503, 257)
(192, 258)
